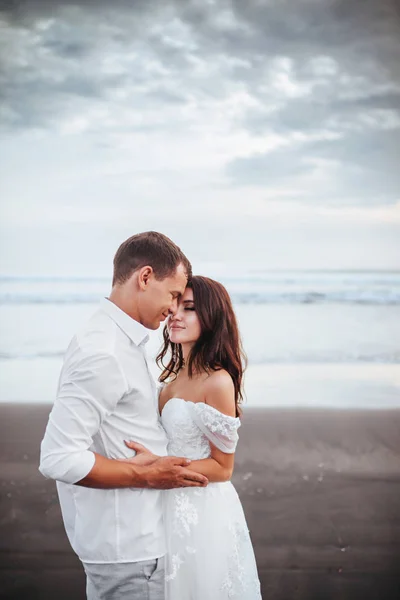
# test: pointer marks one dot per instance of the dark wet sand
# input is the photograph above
(320, 488)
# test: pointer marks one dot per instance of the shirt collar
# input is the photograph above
(133, 329)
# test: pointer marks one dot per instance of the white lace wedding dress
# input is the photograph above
(209, 551)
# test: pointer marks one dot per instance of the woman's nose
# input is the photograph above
(175, 315)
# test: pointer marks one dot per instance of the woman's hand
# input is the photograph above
(143, 456)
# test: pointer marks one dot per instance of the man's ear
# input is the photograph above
(144, 276)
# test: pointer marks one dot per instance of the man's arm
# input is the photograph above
(164, 473)
(89, 392)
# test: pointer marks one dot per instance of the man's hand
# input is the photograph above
(143, 456)
(169, 472)
(165, 472)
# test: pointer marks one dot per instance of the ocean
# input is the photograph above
(313, 338)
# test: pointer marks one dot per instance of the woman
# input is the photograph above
(210, 556)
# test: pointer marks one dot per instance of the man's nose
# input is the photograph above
(173, 309)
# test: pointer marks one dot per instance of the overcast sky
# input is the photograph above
(253, 132)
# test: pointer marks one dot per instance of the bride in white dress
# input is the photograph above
(209, 551)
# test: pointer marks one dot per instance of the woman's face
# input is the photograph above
(184, 326)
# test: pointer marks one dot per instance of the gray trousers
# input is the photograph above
(144, 580)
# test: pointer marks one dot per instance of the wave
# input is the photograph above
(266, 287)
(362, 280)
(282, 277)
(333, 357)
(371, 297)
(31, 355)
(384, 297)
(51, 279)
(54, 299)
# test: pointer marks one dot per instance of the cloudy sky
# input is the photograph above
(253, 132)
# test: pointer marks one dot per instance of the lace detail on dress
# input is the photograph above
(186, 440)
(236, 578)
(184, 518)
(176, 562)
(219, 428)
(185, 515)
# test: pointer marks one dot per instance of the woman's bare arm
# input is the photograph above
(217, 468)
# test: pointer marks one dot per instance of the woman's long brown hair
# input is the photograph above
(219, 345)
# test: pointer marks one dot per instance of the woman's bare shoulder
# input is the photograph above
(220, 392)
(219, 380)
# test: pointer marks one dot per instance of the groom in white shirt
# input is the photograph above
(112, 508)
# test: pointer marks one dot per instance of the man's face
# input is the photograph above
(161, 298)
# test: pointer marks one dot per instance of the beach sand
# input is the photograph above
(320, 488)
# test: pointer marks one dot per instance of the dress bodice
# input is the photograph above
(191, 426)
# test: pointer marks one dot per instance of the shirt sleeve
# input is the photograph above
(219, 428)
(88, 392)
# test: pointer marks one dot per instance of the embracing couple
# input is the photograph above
(143, 476)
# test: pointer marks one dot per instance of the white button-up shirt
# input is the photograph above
(106, 394)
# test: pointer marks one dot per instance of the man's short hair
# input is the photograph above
(149, 248)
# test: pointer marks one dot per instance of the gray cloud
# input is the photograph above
(328, 71)
(362, 38)
(363, 169)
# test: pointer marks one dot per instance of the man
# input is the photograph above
(112, 508)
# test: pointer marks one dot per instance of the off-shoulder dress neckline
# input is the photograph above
(193, 403)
